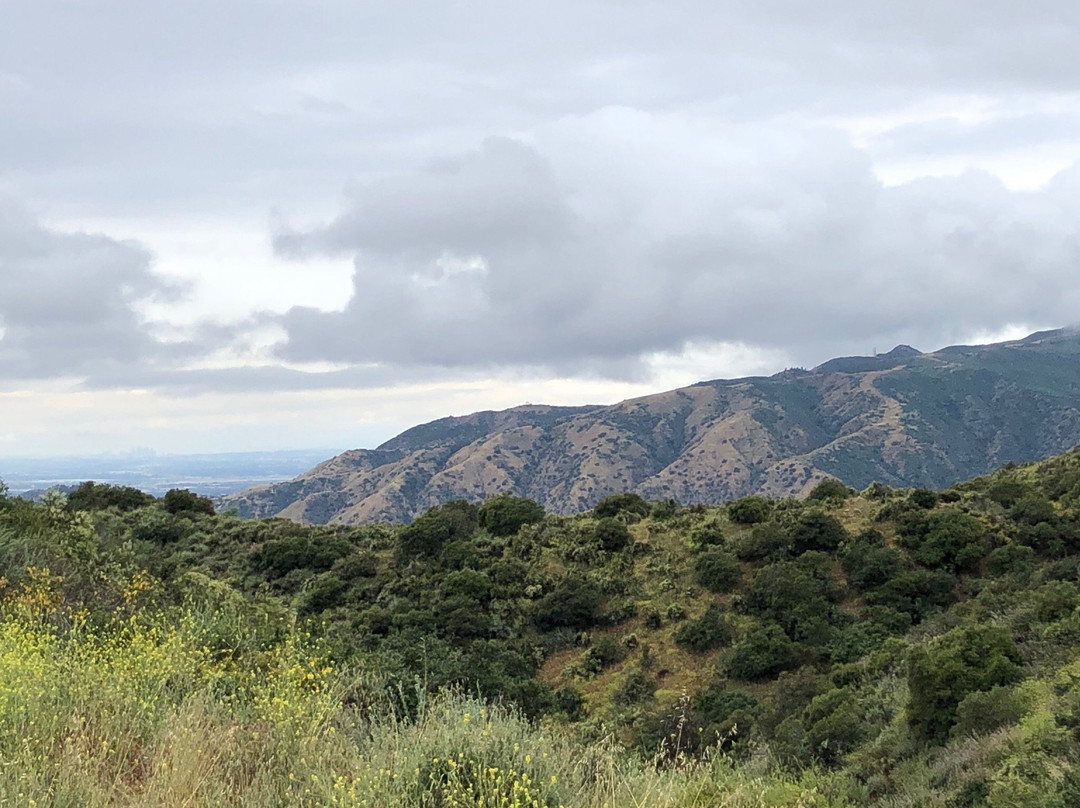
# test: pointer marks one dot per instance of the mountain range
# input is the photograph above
(903, 418)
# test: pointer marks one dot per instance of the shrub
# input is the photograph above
(611, 534)
(815, 530)
(948, 539)
(707, 534)
(962, 661)
(717, 570)
(765, 540)
(282, 556)
(322, 592)
(636, 687)
(750, 510)
(827, 489)
(707, 633)
(91, 496)
(1012, 559)
(923, 498)
(982, 712)
(505, 515)
(181, 500)
(790, 596)
(868, 563)
(426, 535)
(765, 651)
(619, 503)
(573, 603)
(915, 593)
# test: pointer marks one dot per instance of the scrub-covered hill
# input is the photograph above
(904, 418)
(883, 648)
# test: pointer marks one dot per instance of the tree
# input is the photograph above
(962, 661)
(505, 515)
(827, 489)
(717, 571)
(816, 530)
(91, 496)
(181, 500)
(750, 510)
(708, 632)
(765, 651)
(611, 534)
(618, 503)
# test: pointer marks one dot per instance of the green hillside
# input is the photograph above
(904, 418)
(894, 647)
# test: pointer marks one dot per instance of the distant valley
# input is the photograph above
(904, 418)
(208, 474)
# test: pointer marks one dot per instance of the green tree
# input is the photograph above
(505, 515)
(964, 660)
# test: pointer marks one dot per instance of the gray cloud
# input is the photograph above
(612, 179)
(622, 234)
(69, 302)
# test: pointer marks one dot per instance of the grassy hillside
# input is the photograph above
(894, 647)
(904, 418)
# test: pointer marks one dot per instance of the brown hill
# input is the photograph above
(902, 418)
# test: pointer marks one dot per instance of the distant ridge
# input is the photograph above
(904, 418)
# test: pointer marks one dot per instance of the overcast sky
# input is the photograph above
(261, 224)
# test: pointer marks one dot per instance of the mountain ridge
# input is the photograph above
(904, 418)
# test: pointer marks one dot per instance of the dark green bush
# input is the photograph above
(574, 603)
(1012, 559)
(765, 540)
(181, 500)
(322, 592)
(707, 633)
(319, 553)
(611, 534)
(964, 660)
(619, 503)
(505, 515)
(717, 571)
(765, 651)
(916, 593)
(829, 489)
(815, 530)
(91, 496)
(750, 510)
(868, 563)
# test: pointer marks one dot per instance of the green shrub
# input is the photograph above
(181, 500)
(717, 570)
(611, 534)
(322, 592)
(964, 660)
(319, 553)
(750, 510)
(985, 711)
(707, 633)
(619, 503)
(765, 540)
(765, 651)
(868, 563)
(815, 530)
(1012, 559)
(634, 688)
(91, 496)
(829, 489)
(505, 515)
(574, 603)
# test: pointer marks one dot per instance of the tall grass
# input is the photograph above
(182, 708)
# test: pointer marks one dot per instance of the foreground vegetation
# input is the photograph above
(888, 648)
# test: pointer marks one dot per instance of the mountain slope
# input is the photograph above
(903, 418)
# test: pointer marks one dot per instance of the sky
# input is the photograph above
(258, 224)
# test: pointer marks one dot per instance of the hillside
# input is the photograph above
(883, 649)
(903, 418)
